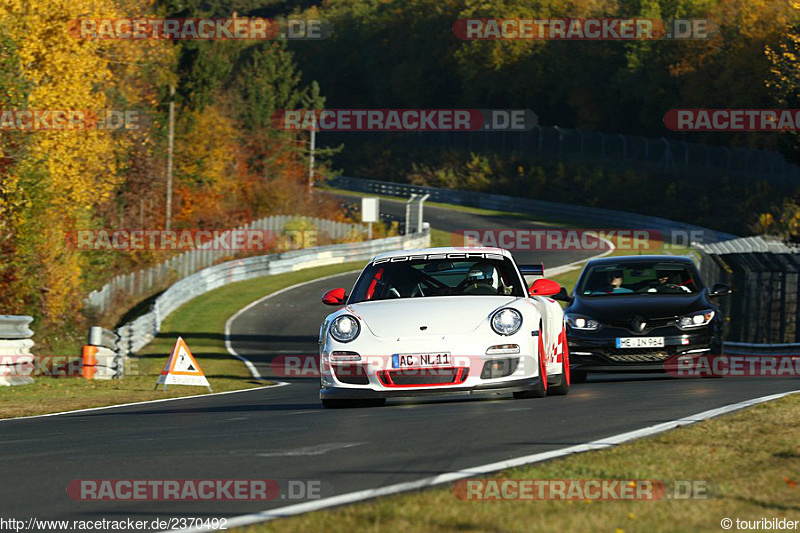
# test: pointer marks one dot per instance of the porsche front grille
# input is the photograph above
(645, 357)
(412, 377)
(351, 374)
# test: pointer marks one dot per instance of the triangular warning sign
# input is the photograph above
(182, 368)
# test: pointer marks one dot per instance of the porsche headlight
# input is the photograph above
(582, 322)
(695, 320)
(506, 321)
(345, 328)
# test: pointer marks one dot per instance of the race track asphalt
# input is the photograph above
(283, 433)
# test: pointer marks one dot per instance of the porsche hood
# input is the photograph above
(441, 315)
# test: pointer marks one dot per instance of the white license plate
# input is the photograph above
(422, 360)
(640, 342)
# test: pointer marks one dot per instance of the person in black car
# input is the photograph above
(668, 282)
(613, 284)
(669, 314)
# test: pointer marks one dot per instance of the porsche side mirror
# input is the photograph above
(544, 287)
(719, 289)
(334, 297)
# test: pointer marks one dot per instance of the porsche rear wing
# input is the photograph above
(532, 270)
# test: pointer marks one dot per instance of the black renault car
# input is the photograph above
(631, 313)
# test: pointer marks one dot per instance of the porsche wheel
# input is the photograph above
(540, 389)
(344, 404)
(561, 387)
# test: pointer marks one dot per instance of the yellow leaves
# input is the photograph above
(62, 175)
(205, 153)
(205, 164)
(66, 74)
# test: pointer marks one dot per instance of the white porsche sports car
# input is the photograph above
(443, 320)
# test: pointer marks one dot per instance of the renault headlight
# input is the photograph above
(582, 322)
(695, 320)
(506, 321)
(345, 328)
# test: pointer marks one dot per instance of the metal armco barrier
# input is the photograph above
(15, 349)
(137, 333)
(15, 327)
(764, 274)
(765, 277)
(536, 208)
(145, 282)
(745, 348)
(100, 357)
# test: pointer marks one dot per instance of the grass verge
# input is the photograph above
(750, 459)
(200, 322)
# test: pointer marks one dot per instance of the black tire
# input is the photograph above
(561, 387)
(540, 389)
(335, 404)
(345, 404)
(537, 392)
(578, 376)
(376, 402)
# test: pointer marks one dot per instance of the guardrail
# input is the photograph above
(15, 327)
(144, 282)
(746, 348)
(765, 274)
(15, 349)
(102, 358)
(765, 277)
(537, 208)
(137, 333)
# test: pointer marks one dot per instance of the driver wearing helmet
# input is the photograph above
(480, 279)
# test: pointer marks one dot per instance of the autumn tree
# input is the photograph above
(54, 185)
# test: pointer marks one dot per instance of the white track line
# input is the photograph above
(278, 384)
(558, 270)
(257, 375)
(250, 366)
(253, 371)
(228, 346)
(449, 477)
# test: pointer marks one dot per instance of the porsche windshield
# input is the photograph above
(427, 278)
(646, 277)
